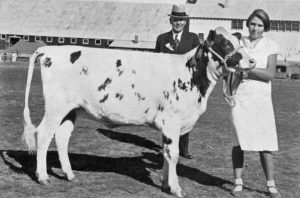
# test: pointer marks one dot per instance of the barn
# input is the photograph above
(135, 24)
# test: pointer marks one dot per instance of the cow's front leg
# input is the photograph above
(171, 155)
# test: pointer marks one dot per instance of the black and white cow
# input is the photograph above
(168, 92)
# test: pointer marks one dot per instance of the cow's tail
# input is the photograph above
(29, 135)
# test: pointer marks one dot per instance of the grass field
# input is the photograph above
(125, 162)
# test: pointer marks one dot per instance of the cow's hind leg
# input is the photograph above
(54, 114)
(45, 132)
(62, 137)
(171, 133)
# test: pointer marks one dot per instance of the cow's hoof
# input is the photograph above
(74, 179)
(178, 193)
(44, 182)
(70, 177)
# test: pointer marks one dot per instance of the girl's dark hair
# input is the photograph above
(262, 15)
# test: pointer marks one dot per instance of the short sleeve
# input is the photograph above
(273, 47)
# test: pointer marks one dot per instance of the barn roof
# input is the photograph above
(241, 9)
(84, 19)
(25, 47)
(122, 19)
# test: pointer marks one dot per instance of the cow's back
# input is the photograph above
(125, 86)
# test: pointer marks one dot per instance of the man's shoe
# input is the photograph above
(186, 156)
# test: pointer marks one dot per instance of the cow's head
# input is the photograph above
(225, 47)
(220, 50)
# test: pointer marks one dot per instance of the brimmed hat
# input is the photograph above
(178, 11)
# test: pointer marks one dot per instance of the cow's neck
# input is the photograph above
(205, 75)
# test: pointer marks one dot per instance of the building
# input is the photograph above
(232, 15)
(135, 24)
(92, 23)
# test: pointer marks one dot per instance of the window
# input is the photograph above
(73, 40)
(37, 38)
(97, 42)
(61, 40)
(49, 39)
(237, 24)
(288, 26)
(281, 26)
(273, 25)
(3, 36)
(201, 37)
(295, 26)
(85, 41)
(284, 26)
(26, 38)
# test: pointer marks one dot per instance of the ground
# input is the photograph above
(126, 162)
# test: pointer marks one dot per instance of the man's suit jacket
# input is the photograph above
(166, 44)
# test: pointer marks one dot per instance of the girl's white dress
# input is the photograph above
(253, 116)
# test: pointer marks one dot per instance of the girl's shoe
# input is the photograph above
(237, 190)
(273, 193)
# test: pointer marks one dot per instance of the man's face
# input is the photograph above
(177, 24)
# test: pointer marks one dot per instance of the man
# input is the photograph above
(178, 41)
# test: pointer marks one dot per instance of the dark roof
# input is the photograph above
(25, 47)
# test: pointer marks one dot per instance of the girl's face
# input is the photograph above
(256, 28)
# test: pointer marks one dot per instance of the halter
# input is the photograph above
(228, 73)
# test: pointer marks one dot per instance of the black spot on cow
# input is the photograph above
(105, 84)
(119, 95)
(84, 70)
(182, 85)
(160, 108)
(147, 110)
(74, 56)
(166, 95)
(104, 98)
(199, 75)
(120, 72)
(140, 97)
(133, 71)
(132, 85)
(47, 62)
(163, 121)
(166, 140)
(118, 63)
(177, 97)
(199, 99)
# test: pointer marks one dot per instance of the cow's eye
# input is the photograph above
(225, 43)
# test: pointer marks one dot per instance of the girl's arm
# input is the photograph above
(260, 74)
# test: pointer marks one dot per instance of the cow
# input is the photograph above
(117, 87)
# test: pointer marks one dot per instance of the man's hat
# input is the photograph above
(178, 11)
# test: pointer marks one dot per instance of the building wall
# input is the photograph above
(12, 39)
(288, 41)
(204, 25)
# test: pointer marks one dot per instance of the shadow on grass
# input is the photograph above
(137, 167)
(182, 170)
(130, 138)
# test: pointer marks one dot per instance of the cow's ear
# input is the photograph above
(211, 36)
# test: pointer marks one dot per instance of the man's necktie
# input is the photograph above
(176, 43)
